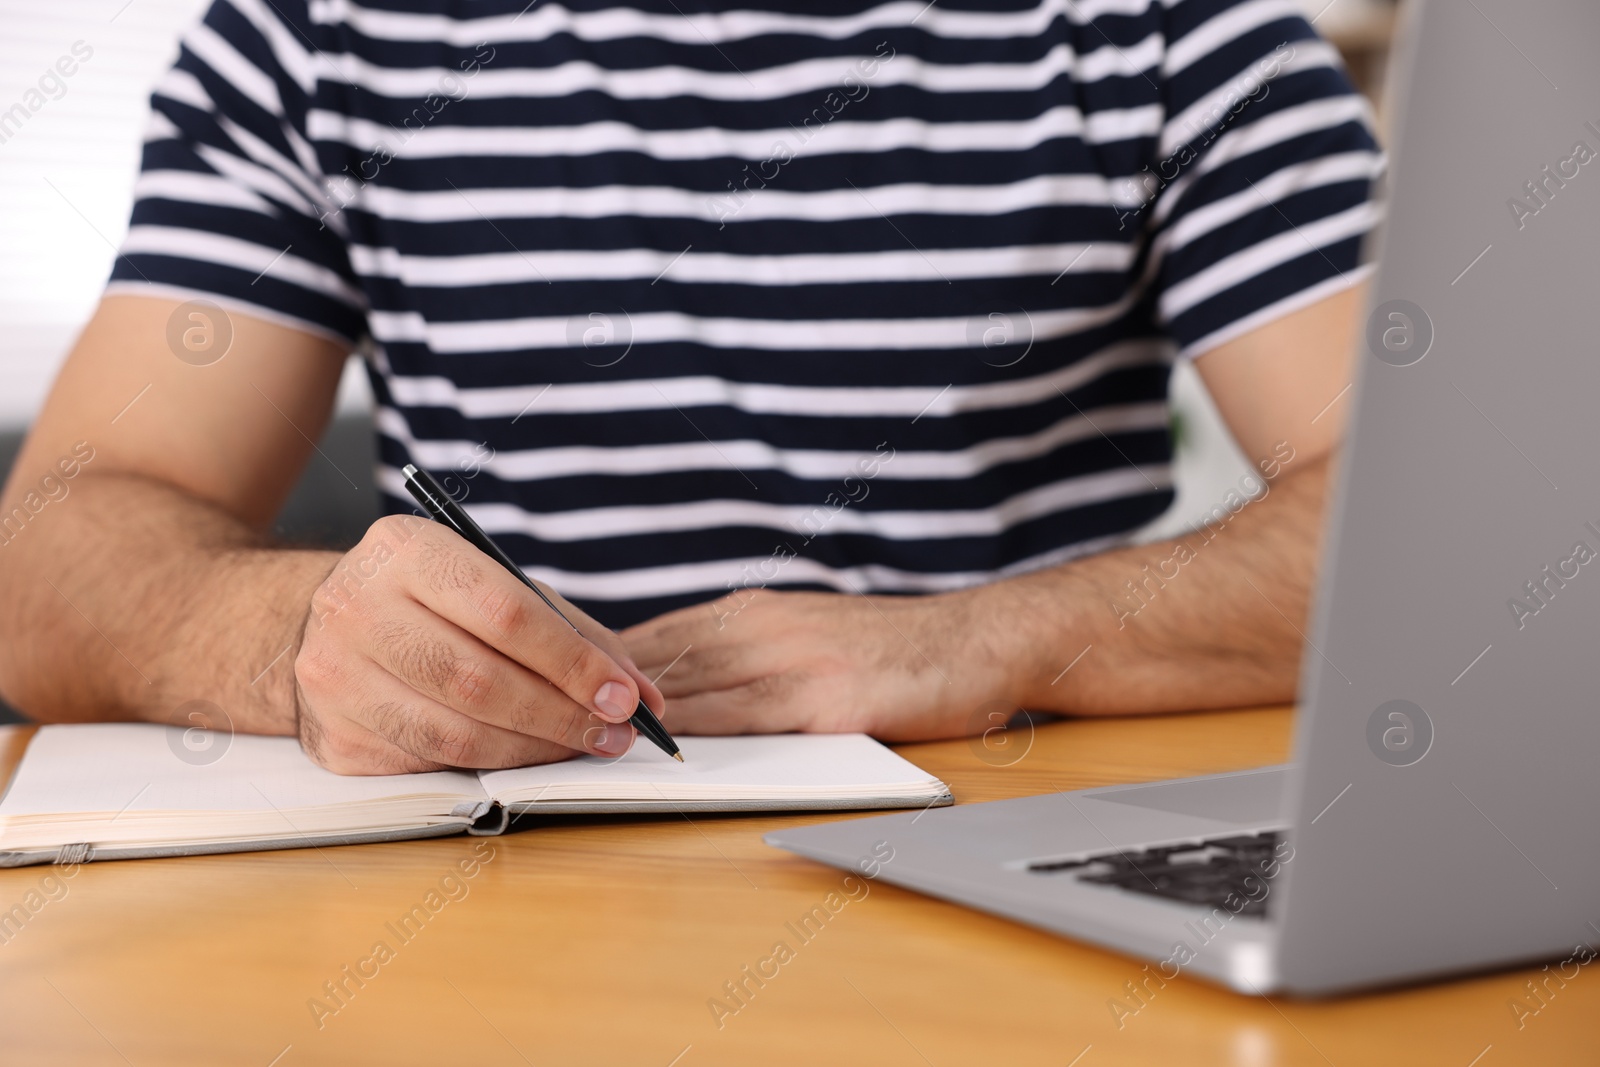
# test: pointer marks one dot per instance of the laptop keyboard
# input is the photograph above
(1214, 872)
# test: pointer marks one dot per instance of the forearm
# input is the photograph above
(127, 598)
(1214, 618)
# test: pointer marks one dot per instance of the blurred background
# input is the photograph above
(66, 179)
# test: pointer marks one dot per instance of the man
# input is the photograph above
(735, 325)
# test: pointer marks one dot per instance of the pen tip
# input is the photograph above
(409, 469)
(678, 756)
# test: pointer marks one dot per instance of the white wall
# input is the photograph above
(66, 172)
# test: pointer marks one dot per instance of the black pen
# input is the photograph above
(438, 504)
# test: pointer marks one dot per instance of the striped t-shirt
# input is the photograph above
(685, 297)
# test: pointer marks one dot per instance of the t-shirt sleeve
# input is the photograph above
(230, 203)
(1262, 193)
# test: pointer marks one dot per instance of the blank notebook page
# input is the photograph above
(132, 768)
(751, 767)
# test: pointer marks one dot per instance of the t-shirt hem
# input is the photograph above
(125, 287)
(1272, 312)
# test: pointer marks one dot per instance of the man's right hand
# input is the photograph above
(420, 653)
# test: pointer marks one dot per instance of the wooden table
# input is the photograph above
(602, 941)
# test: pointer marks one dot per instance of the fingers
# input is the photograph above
(456, 670)
(653, 698)
(747, 638)
(613, 646)
(433, 735)
(657, 643)
(455, 581)
(765, 706)
(347, 747)
(714, 661)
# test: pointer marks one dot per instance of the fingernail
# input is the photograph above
(613, 703)
(615, 739)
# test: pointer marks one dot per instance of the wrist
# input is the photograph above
(270, 590)
(999, 640)
(1032, 634)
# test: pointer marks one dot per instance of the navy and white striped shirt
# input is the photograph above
(841, 294)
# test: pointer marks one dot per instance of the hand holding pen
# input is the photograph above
(438, 504)
(419, 653)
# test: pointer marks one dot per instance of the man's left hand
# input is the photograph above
(760, 661)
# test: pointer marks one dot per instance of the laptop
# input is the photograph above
(1438, 815)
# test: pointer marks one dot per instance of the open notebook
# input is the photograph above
(126, 790)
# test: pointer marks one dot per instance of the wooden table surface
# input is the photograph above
(604, 941)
